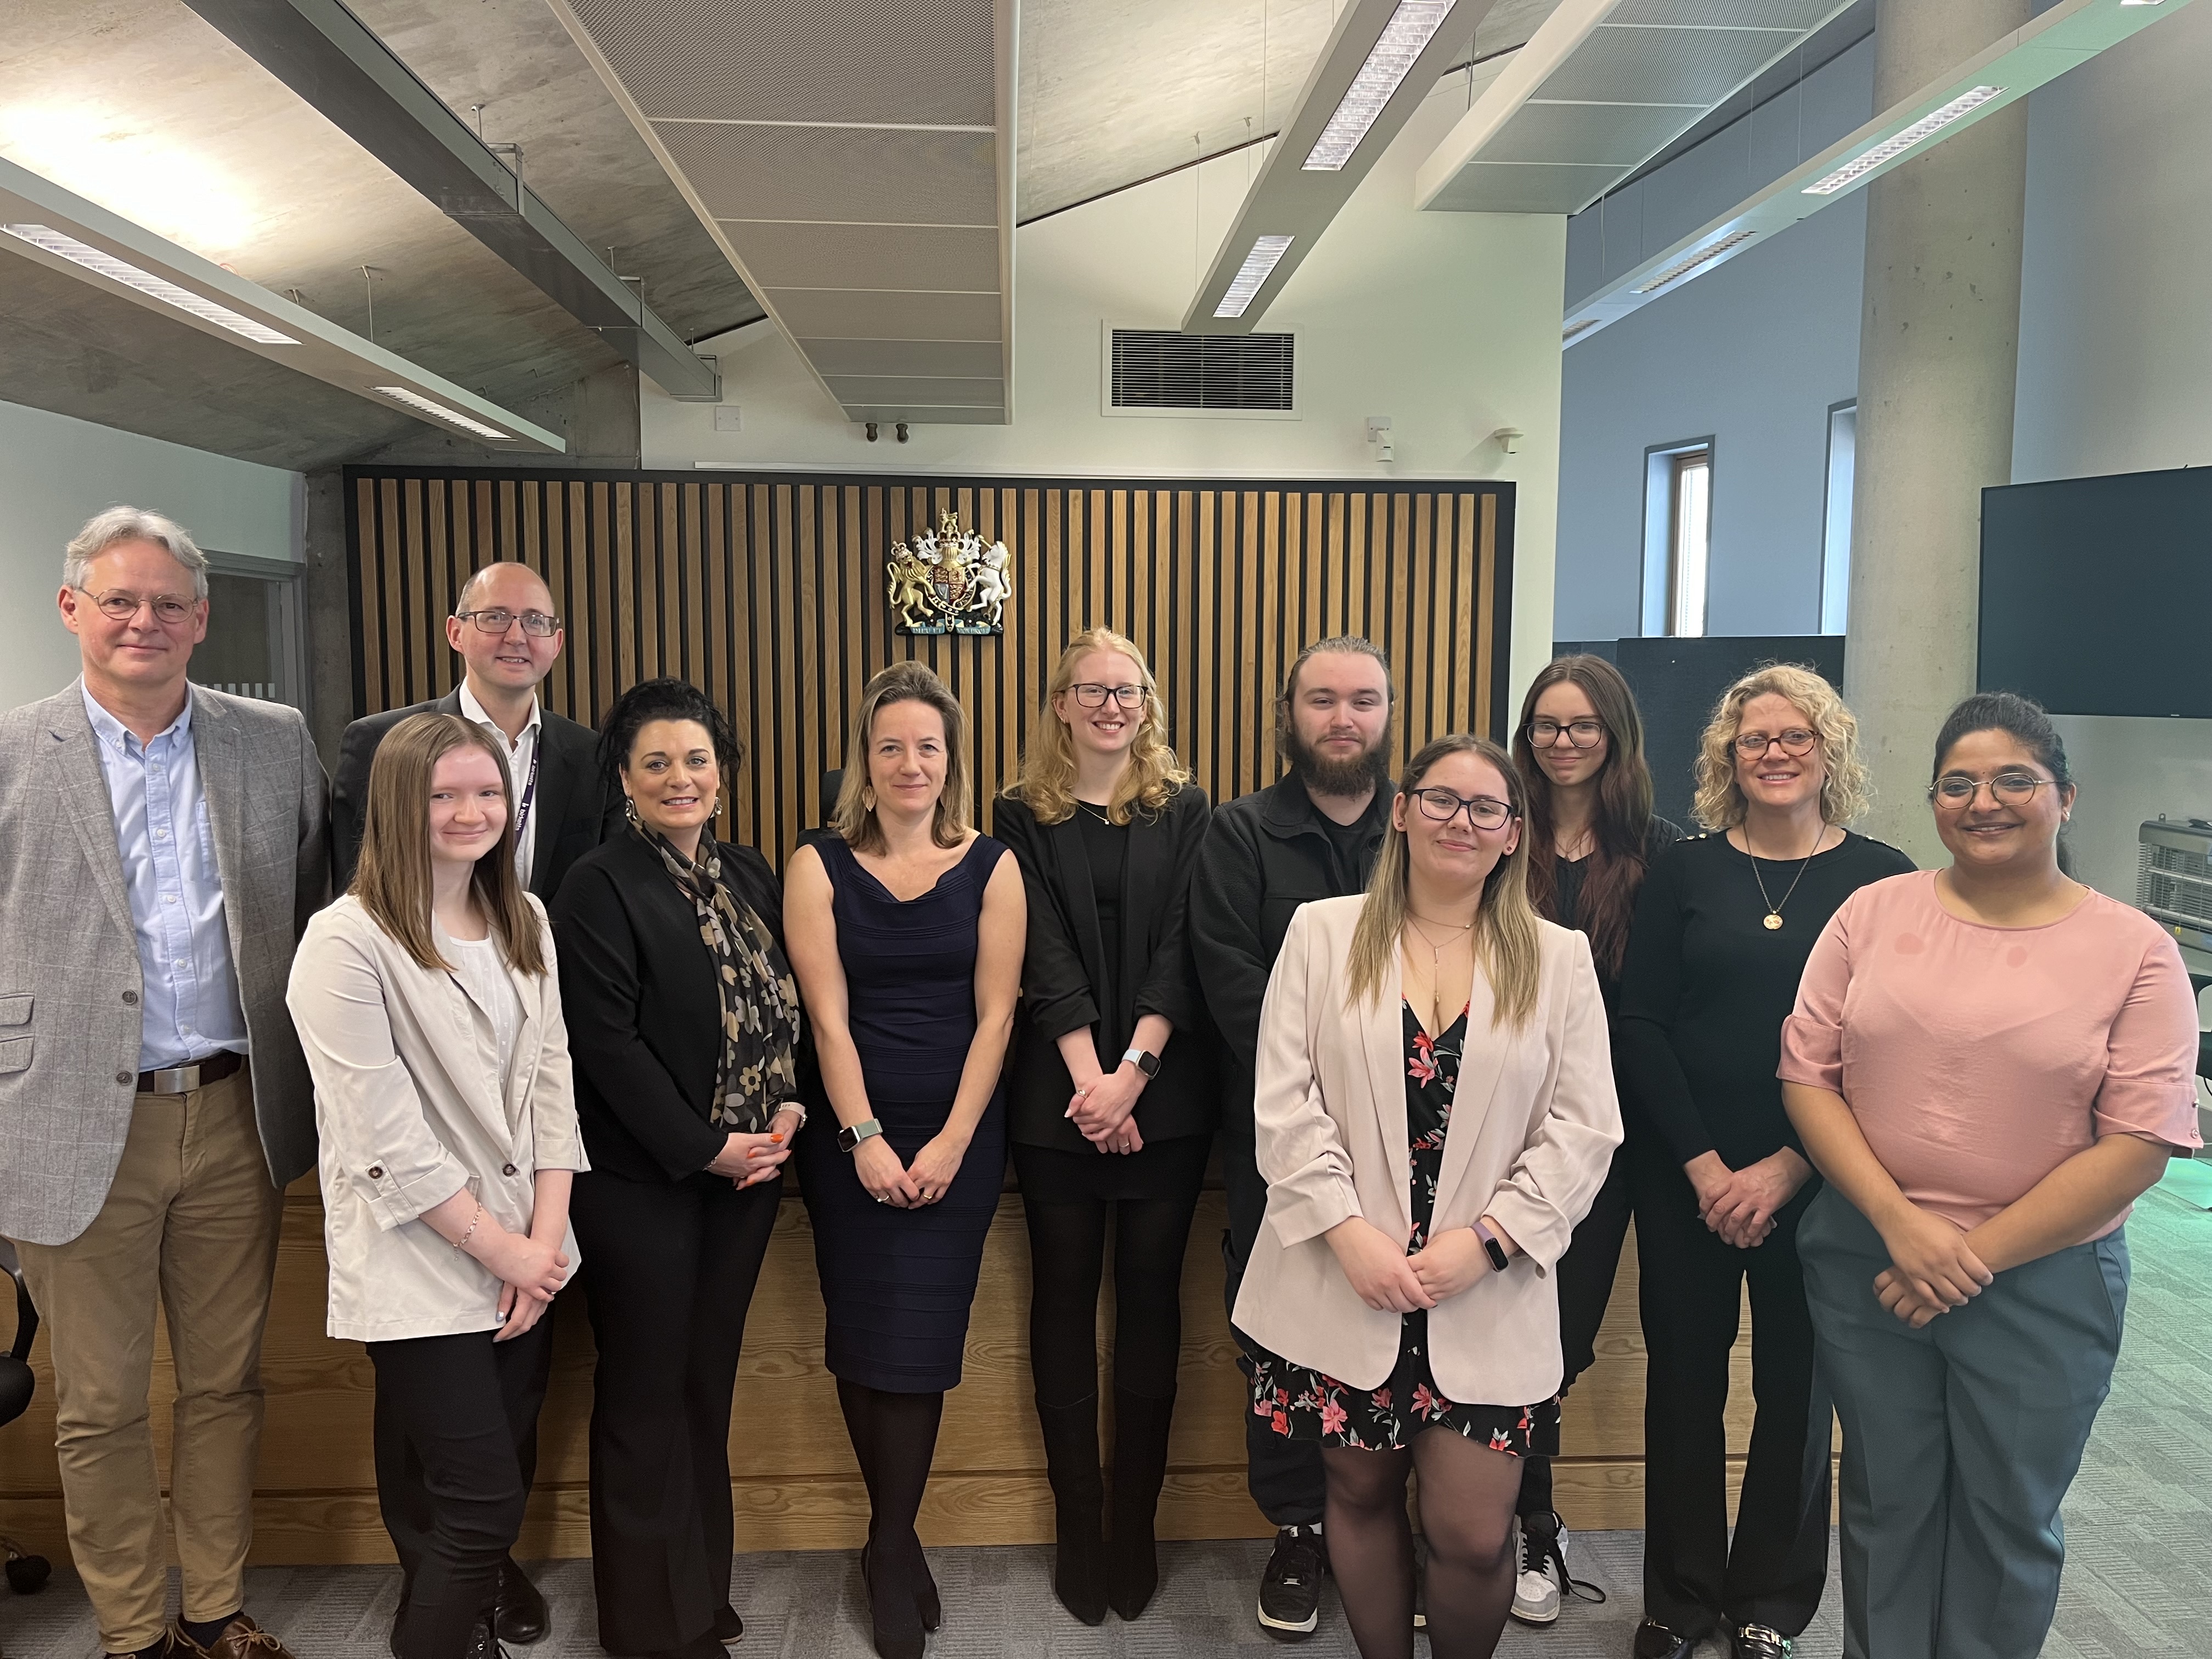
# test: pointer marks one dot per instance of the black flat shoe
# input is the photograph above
(728, 1627)
(1655, 1641)
(1758, 1641)
(524, 1617)
(896, 1618)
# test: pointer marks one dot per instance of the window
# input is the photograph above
(253, 645)
(1678, 513)
(1836, 523)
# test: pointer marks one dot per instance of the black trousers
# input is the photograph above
(669, 1271)
(1285, 1475)
(456, 1418)
(1585, 1278)
(1695, 1580)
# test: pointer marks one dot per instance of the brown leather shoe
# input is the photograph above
(242, 1638)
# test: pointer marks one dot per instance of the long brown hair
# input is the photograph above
(1505, 943)
(1615, 867)
(392, 879)
(854, 815)
(1148, 780)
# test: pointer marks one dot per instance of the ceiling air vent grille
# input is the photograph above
(1160, 368)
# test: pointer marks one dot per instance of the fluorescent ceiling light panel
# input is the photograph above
(1690, 262)
(107, 264)
(1404, 38)
(1926, 127)
(1258, 265)
(430, 406)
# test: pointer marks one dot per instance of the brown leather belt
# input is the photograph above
(183, 1079)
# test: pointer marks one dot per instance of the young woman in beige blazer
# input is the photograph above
(1402, 1285)
(427, 1004)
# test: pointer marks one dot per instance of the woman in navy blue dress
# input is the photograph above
(906, 930)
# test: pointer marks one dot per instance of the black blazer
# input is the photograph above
(571, 809)
(645, 1019)
(1066, 959)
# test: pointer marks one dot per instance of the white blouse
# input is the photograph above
(482, 973)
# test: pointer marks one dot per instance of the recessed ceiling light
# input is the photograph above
(431, 406)
(1573, 329)
(1258, 264)
(1927, 126)
(146, 283)
(1404, 38)
(1690, 262)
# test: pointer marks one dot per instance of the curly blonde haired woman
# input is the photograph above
(1111, 1097)
(1723, 925)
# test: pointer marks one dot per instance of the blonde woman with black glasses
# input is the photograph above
(1723, 925)
(1435, 1112)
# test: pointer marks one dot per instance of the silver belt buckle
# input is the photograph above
(177, 1080)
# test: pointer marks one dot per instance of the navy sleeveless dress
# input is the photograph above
(898, 1283)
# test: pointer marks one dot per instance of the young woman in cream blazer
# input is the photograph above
(1401, 1291)
(428, 1006)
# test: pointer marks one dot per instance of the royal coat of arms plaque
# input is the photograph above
(947, 580)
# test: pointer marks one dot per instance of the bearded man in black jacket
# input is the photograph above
(1313, 834)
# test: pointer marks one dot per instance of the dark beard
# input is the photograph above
(1342, 778)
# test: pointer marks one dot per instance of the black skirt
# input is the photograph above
(1165, 1169)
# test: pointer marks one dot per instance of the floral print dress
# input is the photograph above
(1301, 1402)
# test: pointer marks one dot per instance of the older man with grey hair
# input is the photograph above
(161, 846)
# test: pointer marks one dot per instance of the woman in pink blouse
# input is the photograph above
(1990, 1063)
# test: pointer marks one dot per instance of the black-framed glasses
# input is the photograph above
(498, 619)
(1797, 743)
(1955, 791)
(1579, 734)
(1091, 695)
(117, 606)
(1483, 811)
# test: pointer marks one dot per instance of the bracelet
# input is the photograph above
(789, 1106)
(475, 1221)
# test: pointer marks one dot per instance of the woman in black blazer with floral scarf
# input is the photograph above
(1111, 1095)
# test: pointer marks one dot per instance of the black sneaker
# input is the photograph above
(1758, 1641)
(1289, 1590)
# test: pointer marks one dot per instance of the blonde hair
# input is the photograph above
(1506, 944)
(392, 879)
(855, 817)
(1844, 792)
(1047, 780)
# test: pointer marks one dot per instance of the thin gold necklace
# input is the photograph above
(1773, 922)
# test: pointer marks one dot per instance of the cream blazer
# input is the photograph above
(410, 1107)
(1532, 1130)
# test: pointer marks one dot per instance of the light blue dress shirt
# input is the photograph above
(190, 1005)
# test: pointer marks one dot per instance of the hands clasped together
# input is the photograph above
(1740, 1205)
(1388, 1280)
(530, 1271)
(1104, 1109)
(909, 1186)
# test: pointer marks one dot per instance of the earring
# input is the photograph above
(630, 811)
(868, 797)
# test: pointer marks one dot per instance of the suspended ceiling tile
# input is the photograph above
(836, 174)
(869, 256)
(951, 359)
(1620, 134)
(1523, 187)
(1642, 65)
(845, 312)
(886, 389)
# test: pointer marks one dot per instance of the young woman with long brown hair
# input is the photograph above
(1399, 1299)
(1111, 1094)
(1591, 836)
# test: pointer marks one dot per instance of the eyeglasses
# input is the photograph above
(1797, 743)
(1090, 694)
(119, 607)
(535, 623)
(1955, 791)
(1579, 734)
(1482, 811)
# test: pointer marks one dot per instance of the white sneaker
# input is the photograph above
(1541, 1585)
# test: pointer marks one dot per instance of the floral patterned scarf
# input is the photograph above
(759, 1068)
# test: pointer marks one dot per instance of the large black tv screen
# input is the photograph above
(2097, 593)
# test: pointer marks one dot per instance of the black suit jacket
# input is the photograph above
(1065, 962)
(645, 1018)
(573, 810)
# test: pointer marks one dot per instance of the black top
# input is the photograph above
(1266, 854)
(571, 807)
(1707, 985)
(1567, 892)
(645, 1018)
(1089, 963)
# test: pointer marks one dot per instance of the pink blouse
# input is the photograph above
(1978, 1059)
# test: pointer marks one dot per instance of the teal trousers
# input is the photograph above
(1959, 1439)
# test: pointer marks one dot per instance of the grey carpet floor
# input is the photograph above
(2138, 1573)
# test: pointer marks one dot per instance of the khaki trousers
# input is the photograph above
(191, 1220)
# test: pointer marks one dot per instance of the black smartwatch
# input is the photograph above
(1146, 1063)
(1491, 1248)
(851, 1135)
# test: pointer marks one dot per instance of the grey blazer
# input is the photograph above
(69, 953)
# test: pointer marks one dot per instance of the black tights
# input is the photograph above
(1466, 1517)
(895, 1437)
(1067, 1252)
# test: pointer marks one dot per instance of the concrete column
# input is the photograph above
(326, 610)
(1938, 344)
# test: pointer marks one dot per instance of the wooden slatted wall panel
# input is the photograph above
(769, 593)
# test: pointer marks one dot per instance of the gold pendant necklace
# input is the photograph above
(1773, 921)
(1435, 958)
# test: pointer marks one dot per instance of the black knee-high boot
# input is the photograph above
(1079, 1496)
(1140, 1467)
